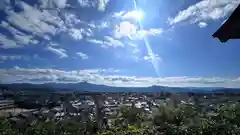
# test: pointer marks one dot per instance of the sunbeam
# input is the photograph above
(154, 61)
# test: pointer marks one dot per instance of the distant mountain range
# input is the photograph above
(88, 87)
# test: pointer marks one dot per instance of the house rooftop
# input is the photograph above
(231, 28)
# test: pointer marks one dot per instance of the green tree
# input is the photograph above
(130, 115)
(128, 130)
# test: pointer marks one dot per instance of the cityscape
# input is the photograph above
(108, 110)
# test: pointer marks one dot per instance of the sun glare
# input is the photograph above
(126, 29)
(138, 15)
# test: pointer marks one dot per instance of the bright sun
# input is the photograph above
(127, 28)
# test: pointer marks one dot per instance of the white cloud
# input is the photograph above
(202, 24)
(60, 3)
(4, 57)
(140, 34)
(98, 76)
(99, 25)
(19, 37)
(152, 32)
(100, 4)
(125, 28)
(82, 55)
(75, 33)
(50, 4)
(87, 32)
(103, 25)
(128, 29)
(7, 43)
(136, 15)
(152, 57)
(92, 25)
(109, 41)
(135, 52)
(118, 14)
(71, 19)
(60, 52)
(135, 48)
(53, 44)
(206, 10)
(87, 3)
(95, 41)
(79, 34)
(39, 23)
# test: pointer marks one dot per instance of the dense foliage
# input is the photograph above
(183, 119)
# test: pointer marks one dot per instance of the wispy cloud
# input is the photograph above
(53, 44)
(205, 10)
(132, 14)
(71, 19)
(95, 41)
(5, 57)
(99, 76)
(202, 24)
(38, 24)
(140, 34)
(53, 3)
(110, 41)
(87, 3)
(82, 55)
(129, 15)
(118, 14)
(79, 34)
(19, 36)
(7, 43)
(58, 51)
(152, 32)
(34, 21)
(99, 4)
(107, 42)
(60, 3)
(152, 57)
(135, 48)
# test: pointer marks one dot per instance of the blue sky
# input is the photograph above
(118, 43)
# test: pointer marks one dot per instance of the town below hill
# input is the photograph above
(88, 109)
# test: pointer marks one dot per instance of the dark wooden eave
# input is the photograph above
(231, 28)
